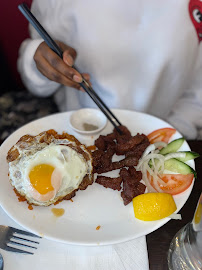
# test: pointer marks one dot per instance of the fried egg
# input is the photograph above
(49, 167)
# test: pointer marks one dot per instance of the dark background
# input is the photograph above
(17, 105)
(13, 30)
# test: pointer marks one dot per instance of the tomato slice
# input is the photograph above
(174, 183)
(161, 135)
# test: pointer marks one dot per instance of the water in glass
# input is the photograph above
(185, 252)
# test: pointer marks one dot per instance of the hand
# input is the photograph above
(57, 69)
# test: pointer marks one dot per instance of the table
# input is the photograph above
(158, 241)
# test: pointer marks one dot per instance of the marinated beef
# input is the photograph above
(108, 182)
(132, 147)
(131, 184)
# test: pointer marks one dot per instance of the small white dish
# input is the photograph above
(88, 121)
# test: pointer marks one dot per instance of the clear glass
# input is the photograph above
(185, 251)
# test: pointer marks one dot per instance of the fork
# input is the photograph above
(8, 233)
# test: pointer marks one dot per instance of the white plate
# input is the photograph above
(95, 206)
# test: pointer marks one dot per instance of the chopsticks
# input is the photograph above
(52, 44)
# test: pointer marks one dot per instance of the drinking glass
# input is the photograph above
(185, 251)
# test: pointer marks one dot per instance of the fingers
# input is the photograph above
(54, 68)
(69, 55)
(54, 75)
(67, 52)
(68, 58)
(86, 76)
(57, 69)
(63, 68)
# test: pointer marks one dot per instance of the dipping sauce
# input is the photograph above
(89, 127)
(58, 212)
(87, 121)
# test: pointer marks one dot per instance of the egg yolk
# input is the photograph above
(40, 178)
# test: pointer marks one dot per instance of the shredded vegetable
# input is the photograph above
(160, 144)
(151, 165)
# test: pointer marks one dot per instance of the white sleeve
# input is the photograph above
(31, 77)
(186, 116)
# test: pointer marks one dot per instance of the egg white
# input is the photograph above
(71, 164)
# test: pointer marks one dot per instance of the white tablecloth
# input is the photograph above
(130, 255)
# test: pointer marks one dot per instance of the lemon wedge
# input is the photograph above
(198, 214)
(153, 206)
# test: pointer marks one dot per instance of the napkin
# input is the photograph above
(131, 255)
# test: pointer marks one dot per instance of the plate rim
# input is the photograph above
(163, 222)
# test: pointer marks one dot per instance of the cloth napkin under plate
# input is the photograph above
(131, 255)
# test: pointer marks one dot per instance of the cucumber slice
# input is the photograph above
(175, 165)
(188, 155)
(172, 146)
